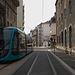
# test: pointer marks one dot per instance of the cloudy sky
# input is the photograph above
(37, 11)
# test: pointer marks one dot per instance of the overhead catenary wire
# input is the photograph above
(42, 10)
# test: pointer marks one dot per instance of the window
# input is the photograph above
(61, 1)
(18, 43)
(7, 12)
(62, 18)
(14, 43)
(5, 39)
(2, 20)
(11, 13)
(59, 21)
(11, 25)
(65, 38)
(8, 24)
(62, 38)
(70, 37)
(65, 13)
(22, 41)
(70, 6)
(57, 39)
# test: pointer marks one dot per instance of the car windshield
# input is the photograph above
(5, 37)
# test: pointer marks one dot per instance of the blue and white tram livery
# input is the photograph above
(14, 44)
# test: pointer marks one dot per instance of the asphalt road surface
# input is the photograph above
(42, 62)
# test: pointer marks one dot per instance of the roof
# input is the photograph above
(44, 23)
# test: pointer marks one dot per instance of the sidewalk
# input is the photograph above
(68, 59)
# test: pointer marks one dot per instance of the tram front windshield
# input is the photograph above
(5, 37)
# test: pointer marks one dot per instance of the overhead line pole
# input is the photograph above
(42, 9)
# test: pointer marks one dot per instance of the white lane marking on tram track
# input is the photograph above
(54, 71)
(27, 57)
(33, 64)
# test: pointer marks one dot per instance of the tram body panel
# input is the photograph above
(15, 52)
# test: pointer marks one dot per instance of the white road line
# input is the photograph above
(54, 71)
(27, 57)
(64, 64)
(33, 64)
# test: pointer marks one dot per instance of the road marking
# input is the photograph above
(54, 71)
(64, 64)
(26, 58)
(33, 64)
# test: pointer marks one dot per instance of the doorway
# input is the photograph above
(70, 37)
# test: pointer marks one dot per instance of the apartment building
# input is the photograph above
(11, 12)
(40, 34)
(53, 28)
(34, 36)
(2, 14)
(46, 33)
(20, 15)
(65, 25)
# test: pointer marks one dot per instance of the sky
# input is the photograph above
(37, 11)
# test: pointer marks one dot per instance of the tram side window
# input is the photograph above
(15, 44)
(22, 41)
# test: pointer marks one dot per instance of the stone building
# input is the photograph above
(11, 12)
(40, 34)
(53, 28)
(46, 33)
(20, 15)
(2, 13)
(34, 37)
(65, 25)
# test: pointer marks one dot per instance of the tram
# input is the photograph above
(14, 44)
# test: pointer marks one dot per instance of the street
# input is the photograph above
(40, 62)
(37, 37)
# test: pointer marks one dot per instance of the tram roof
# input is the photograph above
(18, 30)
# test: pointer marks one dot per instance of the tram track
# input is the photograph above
(42, 64)
(54, 71)
(23, 69)
(58, 68)
(33, 64)
(45, 63)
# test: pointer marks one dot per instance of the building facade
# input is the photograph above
(2, 14)
(53, 28)
(20, 15)
(11, 12)
(40, 34)
(34, 36)
(65, 25)
(46, 33)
